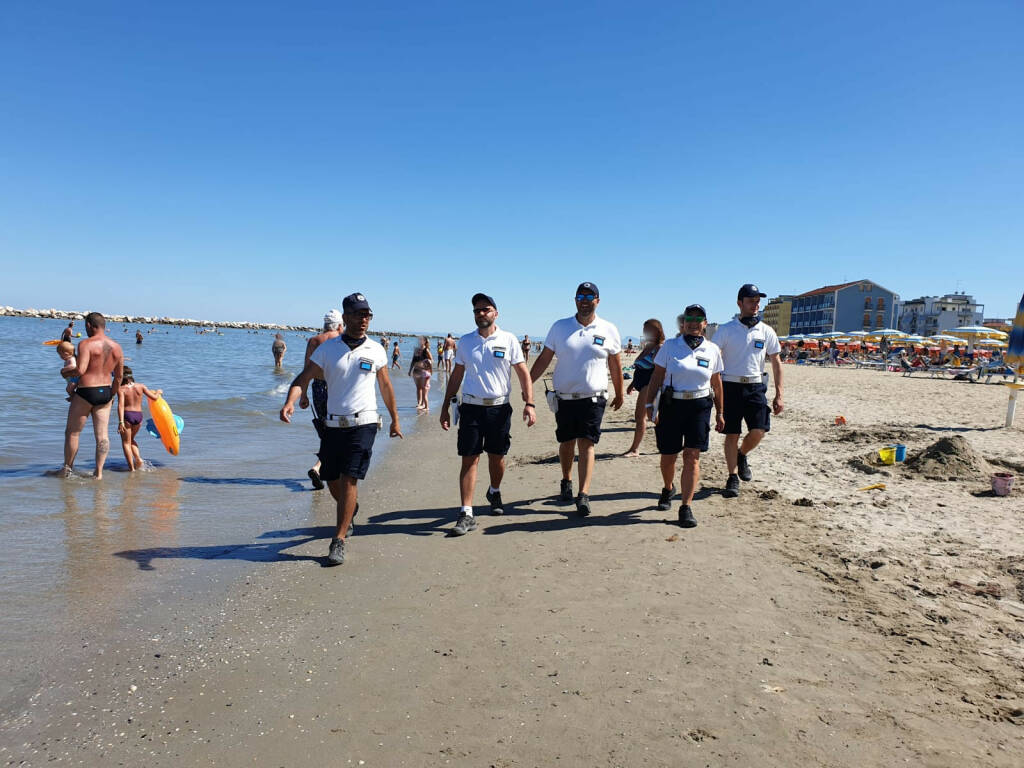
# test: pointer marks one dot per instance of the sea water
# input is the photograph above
(78, 552)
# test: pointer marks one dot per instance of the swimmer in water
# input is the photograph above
(129, 416)
(278, 348)
(100, 368)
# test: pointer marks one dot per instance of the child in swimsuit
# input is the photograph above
(66, 350)
(129, 416)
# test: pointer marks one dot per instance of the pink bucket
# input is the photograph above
(1002, 483)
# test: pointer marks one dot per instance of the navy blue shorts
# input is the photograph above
(484, 428)
(683, 424)
(579, 419)
(745, 403)
(346, 451)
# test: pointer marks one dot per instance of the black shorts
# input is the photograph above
(683, 424)
(745, 402)
(484, 428)
(319, 402)
(579, 418)
(346, 451)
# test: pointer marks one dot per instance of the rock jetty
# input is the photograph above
(63, 314)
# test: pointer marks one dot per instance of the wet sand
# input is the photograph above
(852, 628)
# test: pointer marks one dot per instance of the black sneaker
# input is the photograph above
(665, 500)
(337, 554)
(686, 517)
(497, 508)
(583, 505)
(314, 476)
(464, 525)
(566, 493)
(732, 487)
(743, 467)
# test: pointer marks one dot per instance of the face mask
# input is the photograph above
(693, 341)
(750, 322)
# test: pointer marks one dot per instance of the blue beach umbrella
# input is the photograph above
(1015, 352)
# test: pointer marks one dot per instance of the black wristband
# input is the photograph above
(529, 405)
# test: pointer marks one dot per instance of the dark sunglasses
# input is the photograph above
(585, 297)
(482, 310)
(364, 315)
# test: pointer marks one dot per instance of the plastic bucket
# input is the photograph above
(901, 452)
(1002, 483)
(888, 454)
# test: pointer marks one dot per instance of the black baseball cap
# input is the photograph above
(484, 298)
(749, 290)
(354, 302)
(588, 288)
(695, 309)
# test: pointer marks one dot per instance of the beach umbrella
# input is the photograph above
(974, 332)
(944, 337)
(833, 335)
(857, 334)
(886, 333)
(1015, 359)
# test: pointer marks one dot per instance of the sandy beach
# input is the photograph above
(805, 623)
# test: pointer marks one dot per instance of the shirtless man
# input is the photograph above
(448, 353)
(99, 359)
(332, 327)
(68, 332)
(278, 348)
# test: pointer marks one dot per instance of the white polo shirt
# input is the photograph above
(687, 370)
(744, 349)
(350, 374)
(582, 352)
(488, 362)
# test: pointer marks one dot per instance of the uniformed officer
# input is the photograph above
(745, 342)
(688, 380)
(350, 364)
(587, 347)
(484, 361)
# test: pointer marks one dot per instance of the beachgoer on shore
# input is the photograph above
(350, 364)
(129, 415)
(587, 347)
(484, 361)
(66, 351)
(688, 380)
(526, 346)
(331, 329)
(69, 332)
(643, 367)
(421, 369)
(396, 355)
(278, 348)
(100, 365)
(448, 353)
(745, 342)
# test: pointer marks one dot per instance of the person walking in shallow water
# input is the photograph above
(129, 416)
(278, 348)
(100, 368)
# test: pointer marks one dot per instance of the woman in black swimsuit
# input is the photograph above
(643, 367)
(129, 416)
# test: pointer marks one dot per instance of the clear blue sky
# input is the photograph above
(257, 161)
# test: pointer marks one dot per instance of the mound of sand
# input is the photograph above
(950, 458)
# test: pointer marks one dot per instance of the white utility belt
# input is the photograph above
(693, 394)
(745, 379)
(580, 395)
(474, 400)
(352, 420)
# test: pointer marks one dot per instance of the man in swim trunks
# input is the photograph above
(448, 353)
(332, 328)
(278, 348)
(396, 354)
(99, 359)
(66, 336)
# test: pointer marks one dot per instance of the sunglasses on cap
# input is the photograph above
(585, 297)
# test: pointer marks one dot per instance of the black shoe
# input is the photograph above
(743, 467)
(566, 493)
(583, 505)
(686, 517)
(665, 500)
(337, 554)
(314, 476)
(497, 508)
(732, 487)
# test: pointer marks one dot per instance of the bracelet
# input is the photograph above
(649, 405)
(529, 405)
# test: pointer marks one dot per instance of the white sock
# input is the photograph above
(467, 511)
(492, 489)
